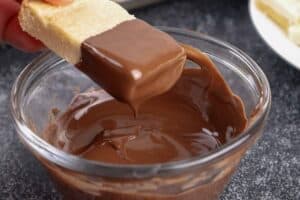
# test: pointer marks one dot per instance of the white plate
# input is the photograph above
(274, 36)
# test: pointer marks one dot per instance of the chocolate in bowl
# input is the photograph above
(50, 82)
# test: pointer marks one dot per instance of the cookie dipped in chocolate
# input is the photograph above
(198, 115)
(133, 61)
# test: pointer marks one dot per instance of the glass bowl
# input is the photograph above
(50, 82)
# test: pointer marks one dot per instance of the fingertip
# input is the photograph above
(15, 36)
(58, 2)
(8, 9)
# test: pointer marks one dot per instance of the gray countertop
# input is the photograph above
(270, 170)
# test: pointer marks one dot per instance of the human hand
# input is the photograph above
(10, 29)
(58, 2)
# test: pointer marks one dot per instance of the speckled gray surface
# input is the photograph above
(270, 171)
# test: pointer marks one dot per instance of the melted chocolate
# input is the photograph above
(133, 61)
(196, 116)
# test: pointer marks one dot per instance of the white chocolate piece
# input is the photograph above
(294, 34)
(63, 28)
(286, 13)
(288, 9)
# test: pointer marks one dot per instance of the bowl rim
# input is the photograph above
(95, 168)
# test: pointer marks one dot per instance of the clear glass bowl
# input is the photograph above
(50, 82)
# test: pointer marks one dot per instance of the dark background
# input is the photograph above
(270, 171)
